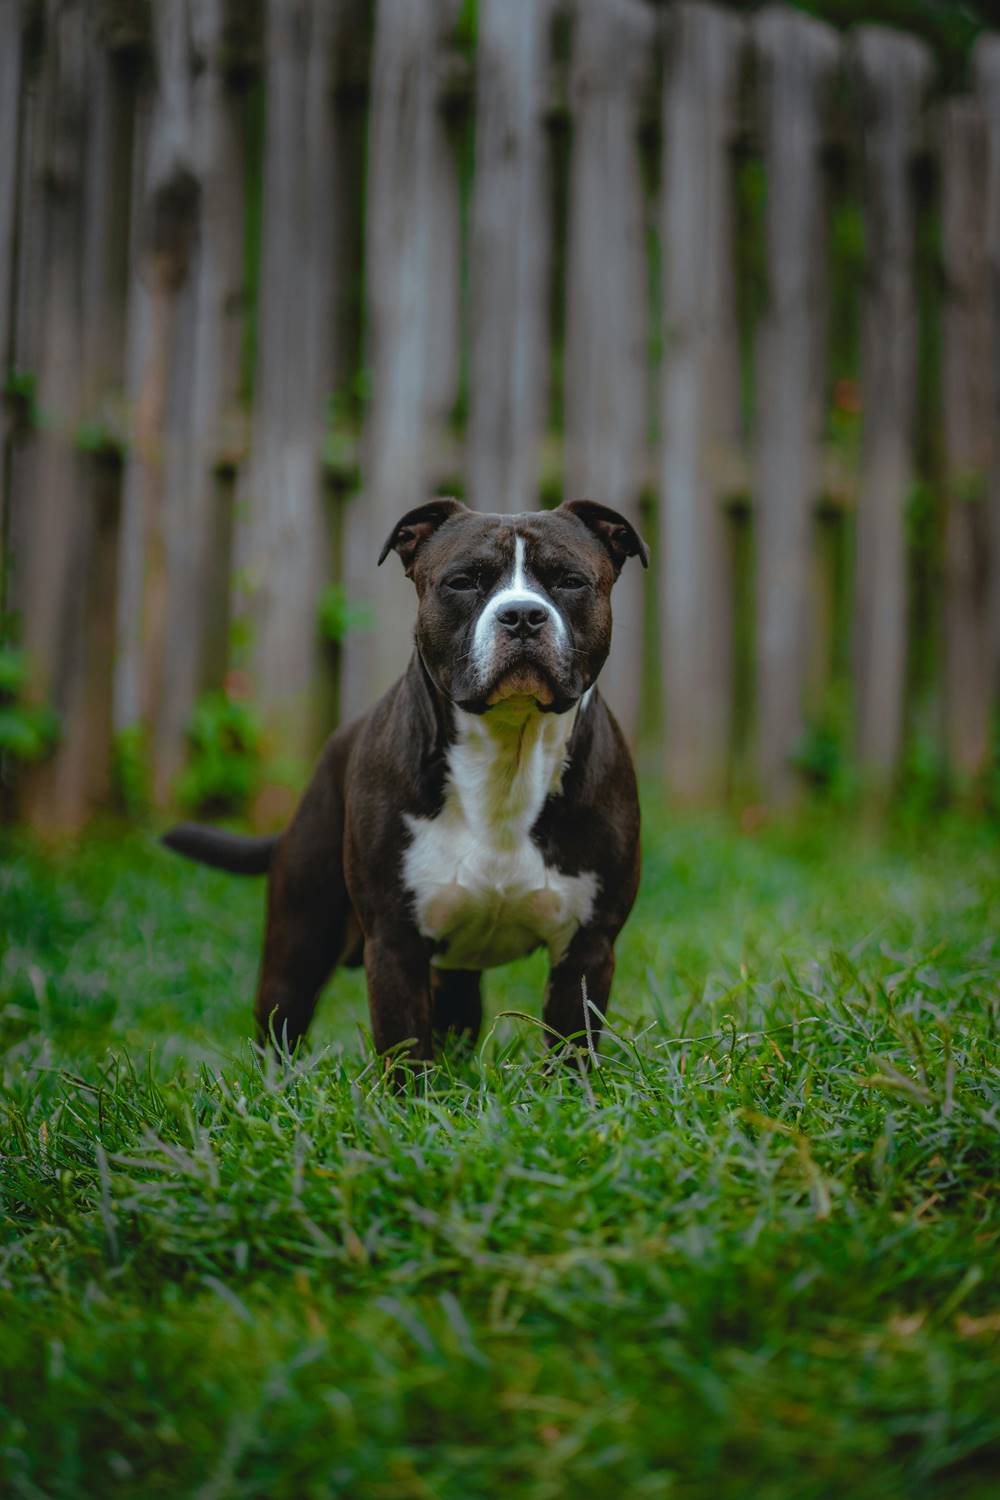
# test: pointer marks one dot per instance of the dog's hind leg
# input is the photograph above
(301, 947)
(308, 911)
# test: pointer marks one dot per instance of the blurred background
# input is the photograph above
(272, 273)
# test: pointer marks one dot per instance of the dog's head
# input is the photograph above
(514, 607)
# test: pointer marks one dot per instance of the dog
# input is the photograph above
(484, 807)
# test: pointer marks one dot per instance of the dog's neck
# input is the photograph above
(504, 764)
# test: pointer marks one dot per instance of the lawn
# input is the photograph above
(755, 1253)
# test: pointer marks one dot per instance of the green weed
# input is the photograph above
(224, 765)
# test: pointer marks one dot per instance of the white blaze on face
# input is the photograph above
(513, 590)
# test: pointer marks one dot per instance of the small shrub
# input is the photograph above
(338, 617)
(20, 390)
(823, 757)
(99, 439)
(28, 731)
(923, 782)
(223, 772)
(132, 775)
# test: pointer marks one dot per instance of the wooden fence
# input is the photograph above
(272, 273)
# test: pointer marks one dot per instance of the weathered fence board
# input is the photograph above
(163, 229)
(445, 313)
(403, 170)
(28, 295)
(11, 53)
(145, 333)
(30, 269)
(56, 534)
(796, 59)
(352, 54)
(987, 71)
(699, 396)
(107, 209)
(509, 256)
(892, 74)
(11, 24)
(206, 388)
(968, 410)
(111, 91)
(607, 318)
(284, 533)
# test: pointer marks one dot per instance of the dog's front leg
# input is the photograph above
(399, 992)
(583, 974)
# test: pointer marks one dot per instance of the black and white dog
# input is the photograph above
(484, 807)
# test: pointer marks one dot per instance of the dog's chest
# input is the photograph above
(481, 888)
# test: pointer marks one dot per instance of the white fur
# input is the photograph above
(512, 591)
(479, 884)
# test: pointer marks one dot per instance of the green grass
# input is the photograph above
(754, 1254)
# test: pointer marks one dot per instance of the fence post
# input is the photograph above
(699, 412)
(405, 137)
(28, 296)
(57, 529)
(986, 64)
(967, 388)
(607, 303)
(444, 354)
(892, 72)
(197, 503)
(105, 271)
(283, 536)
(353, 36)
(11, 24)
(509, 255)
(11, 52)
(796, 59)
(163, 224)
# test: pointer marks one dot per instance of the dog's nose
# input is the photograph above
(522, 619)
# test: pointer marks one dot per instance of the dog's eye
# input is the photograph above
(573, 581)
(462, 583)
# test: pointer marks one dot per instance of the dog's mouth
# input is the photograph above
(525, 682)
(522, 681)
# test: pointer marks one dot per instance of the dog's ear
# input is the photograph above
(618, 535)
(413, 529)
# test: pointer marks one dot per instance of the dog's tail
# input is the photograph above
(224, 851)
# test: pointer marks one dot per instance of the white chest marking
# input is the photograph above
(480, 886)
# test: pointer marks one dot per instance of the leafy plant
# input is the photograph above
(99, 439)
(338, 617)
(240, 627)
(466, 28)
(20, 388)
(345, 405)
(132, 775)
(823, 757)
(28, 731)
(223, 772)
(993, 773)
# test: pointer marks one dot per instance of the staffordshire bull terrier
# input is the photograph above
(484, 807)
